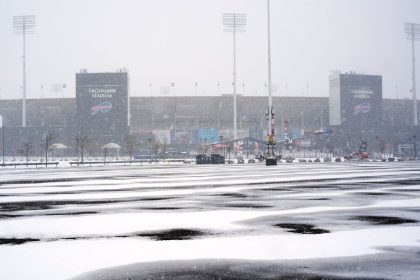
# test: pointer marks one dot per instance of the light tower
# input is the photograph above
(24, 25)
(271, 142)
(412, 30)
(234, 23)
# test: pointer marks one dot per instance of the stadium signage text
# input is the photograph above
(102, 92)
(362, 93)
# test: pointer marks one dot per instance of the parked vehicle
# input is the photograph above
(212, 159)
(217, 159)
(202, 159)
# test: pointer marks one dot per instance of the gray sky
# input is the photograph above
(182, 41)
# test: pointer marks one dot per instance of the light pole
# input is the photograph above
(234, 23)
(3, 128)
(412, 31)
(287, 97)
(304, 107)
(173, 88)
(24, 25)
(271, 159)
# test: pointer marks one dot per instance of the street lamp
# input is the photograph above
(234, 23)
(24, 25)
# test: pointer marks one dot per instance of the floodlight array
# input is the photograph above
(412, 31)
(234, 22)
(24, 24)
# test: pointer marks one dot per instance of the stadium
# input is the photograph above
(104, 112)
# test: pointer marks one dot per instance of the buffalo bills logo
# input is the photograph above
(362, 108)
(104, 107)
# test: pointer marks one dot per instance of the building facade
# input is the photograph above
(104, 112)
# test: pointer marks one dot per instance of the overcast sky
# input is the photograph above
(183, 42)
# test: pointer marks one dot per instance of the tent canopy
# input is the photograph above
(111, 146)
(57, 146)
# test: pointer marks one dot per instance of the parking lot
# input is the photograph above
(313, 219)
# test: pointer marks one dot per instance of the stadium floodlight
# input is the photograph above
(24, 25)
(412, 32)
(234, 23)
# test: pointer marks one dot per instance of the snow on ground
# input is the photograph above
(56, 223)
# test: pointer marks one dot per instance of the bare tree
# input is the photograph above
(27, 150)
(130, 143)
(163, 149)
(84, 142)
(47, 141)
(105, 151)
(155, 147)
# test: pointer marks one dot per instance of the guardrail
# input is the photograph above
(90, 163)
(127, 162)
(29, 164)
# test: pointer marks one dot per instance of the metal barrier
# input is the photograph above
(29, 164)
(125, 162)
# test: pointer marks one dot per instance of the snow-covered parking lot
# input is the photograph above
(336, 219)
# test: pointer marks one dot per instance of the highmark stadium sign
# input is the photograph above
(103, 103)
(361, 100)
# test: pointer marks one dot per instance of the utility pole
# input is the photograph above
(24, 25)
(234, 23)
(412, 31)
